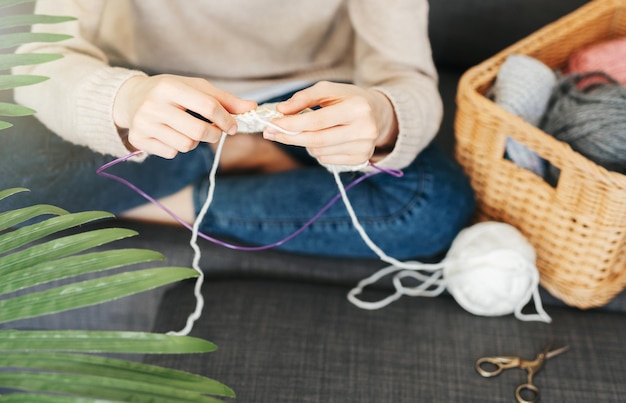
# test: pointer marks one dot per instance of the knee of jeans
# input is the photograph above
(429, 223)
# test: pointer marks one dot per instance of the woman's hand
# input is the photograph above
(350, 126)
(154, 110)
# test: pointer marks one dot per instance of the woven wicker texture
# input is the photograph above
(578, 227)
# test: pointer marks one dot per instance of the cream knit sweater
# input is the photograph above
(242, 46)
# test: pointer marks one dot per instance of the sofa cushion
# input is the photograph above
(285, 341)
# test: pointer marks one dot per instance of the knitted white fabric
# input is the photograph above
(256, 120)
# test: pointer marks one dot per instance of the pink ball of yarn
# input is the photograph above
(606, 56)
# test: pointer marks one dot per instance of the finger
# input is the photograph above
(156, 147)
(354, 110)
(351, 153)
(333, 136)
(230, 102)
(193, 127)
(312, 121)
(217, 105)
(345, 159)
(362, 149)
(312, 139)
(209, 108)
(200, 97)
(163, 134)
(315, 95)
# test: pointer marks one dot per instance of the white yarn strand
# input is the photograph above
(396, 265)
(253, 121)
(195, 315)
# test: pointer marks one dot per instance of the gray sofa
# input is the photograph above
(287, 333)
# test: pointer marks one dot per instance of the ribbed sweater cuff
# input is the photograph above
(415, 129)
(94, 109)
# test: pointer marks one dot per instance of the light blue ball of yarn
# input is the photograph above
(592, 120)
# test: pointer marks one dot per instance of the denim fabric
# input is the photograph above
(414, 216)
(64, 174)
(417, 215)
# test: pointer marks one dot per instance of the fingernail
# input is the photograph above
(269, 133)
(232, 129)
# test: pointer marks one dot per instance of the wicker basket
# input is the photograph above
(578, 228)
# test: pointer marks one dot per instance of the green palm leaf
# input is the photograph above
(23, 59)
(9, 3)
(9, 109)
(86, 341)
(8, 82)
(61, 247)
(39, 398)
(21, 38)
(15, 217)
(115, 369)
(25, 235)
(74, 266)
(11, 21)
(10, 192)
(96, 386)
(89, 292)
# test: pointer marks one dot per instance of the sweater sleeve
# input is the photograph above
(77, 101)
(393, 55)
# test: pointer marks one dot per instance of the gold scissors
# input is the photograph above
(527, 392)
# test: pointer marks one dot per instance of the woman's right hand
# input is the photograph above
(154, 110)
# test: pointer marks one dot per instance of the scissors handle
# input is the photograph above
(527, 393)
(488, 367)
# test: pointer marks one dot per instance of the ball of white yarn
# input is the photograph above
(491, 270)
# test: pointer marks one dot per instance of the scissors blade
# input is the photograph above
(556, 352)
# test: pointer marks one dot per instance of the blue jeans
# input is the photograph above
(415, 216)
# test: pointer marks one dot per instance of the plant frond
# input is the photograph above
(41, 398)
(115, 369)
(12, 218)
(22, 236)
(60, 247)
(10, 192)
(24, 59)
(10, 109)
(74, 266)
(96, 341)
(89, 292)
(83, 385)
(10, 81)
(9, 3)
(11, 21)
(21, 38)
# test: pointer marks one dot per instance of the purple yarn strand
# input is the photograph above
(101, 171)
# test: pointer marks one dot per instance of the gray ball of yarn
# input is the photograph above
(592, 120)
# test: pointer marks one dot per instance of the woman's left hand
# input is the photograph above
(350, 126)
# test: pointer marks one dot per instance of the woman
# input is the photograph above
(166, 78)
